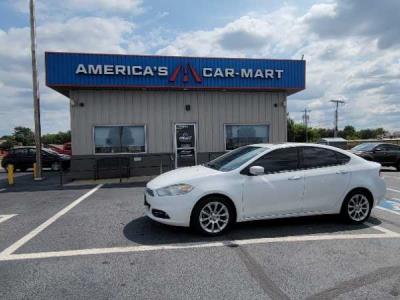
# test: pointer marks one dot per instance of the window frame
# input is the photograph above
(245, 170)
(245, 124)
(302, 167)
(120, 125)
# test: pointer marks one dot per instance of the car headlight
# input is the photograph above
(173, 190)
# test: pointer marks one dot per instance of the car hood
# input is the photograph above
(181, 175)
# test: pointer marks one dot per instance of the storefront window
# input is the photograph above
(119, 139)
(241, 135)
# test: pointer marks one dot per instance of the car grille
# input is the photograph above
(150, 192)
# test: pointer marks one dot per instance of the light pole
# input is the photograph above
(336, 115)
(306, 119)
(36, 95)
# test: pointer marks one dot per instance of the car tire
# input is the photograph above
(213, 216)
(356, 207)
(55, 166)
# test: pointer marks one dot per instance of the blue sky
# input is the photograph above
(352, 48)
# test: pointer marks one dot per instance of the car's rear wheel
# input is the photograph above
(357, 207)
(212, 216)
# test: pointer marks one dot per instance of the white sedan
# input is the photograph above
(265, 181)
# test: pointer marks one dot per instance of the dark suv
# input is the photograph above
(23, 158)
(385, 154)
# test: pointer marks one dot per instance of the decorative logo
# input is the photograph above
(186, 70)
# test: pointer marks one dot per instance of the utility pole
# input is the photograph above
(36, 96)
(306, 119)
(337, 102)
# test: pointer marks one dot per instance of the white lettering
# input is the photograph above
(258, 73)
(269, 74)
(81, 69)
(137, 70)
(229, 73)
(207, 72)
(246, 73)
(108, 70)
(148, 71)
(218, 73)
(162, 71)
(279, 73)
(95, 69)
(119, 69)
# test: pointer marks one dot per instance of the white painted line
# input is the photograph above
(69, 253)
(43, 226)
(388, 210)
(389, 176)
(4, 218)
(381, 229)
(393, 190)
(2, 190)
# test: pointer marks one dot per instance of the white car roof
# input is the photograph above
(287, 145)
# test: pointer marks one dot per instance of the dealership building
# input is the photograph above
(142, 115)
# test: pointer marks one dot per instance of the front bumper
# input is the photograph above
(178, 208)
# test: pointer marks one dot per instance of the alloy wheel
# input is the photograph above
(214, 217)
(358, 207)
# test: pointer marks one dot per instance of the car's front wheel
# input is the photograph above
(212, 216)
(55, 166)
(356, 207)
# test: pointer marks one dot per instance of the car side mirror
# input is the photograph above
(256, 170)
(377, 149)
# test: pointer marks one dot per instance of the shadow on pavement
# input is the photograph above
(147, 232)
(24, 182)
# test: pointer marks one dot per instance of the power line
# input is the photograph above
(335, 131)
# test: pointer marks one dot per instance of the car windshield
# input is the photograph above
(365, 147)
(235, 158)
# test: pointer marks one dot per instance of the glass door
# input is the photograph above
(185, 145)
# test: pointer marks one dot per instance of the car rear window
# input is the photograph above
(314, 157)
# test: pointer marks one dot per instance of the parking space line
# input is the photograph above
(131, 249)
(388, 210)
(393, 190)
(43, 226)
(4, 218)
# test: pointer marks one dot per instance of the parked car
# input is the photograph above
(23, 158)
(265, 181)
(383, 153)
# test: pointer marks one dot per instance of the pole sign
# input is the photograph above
(74, 71)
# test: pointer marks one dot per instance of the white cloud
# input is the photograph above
(87, 34)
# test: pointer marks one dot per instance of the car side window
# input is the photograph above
(392, 148)
(20, 152)
(314, 157)
(281, 160)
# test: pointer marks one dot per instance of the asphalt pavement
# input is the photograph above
(93, 241)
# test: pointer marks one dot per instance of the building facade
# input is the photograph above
(143, 115)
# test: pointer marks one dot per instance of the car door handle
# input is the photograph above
(342, 172)
(294, 178)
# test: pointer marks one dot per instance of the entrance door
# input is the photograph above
(185, 145)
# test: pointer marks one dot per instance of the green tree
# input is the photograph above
(57, 138)
(23, 136)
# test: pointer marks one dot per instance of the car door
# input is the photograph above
(391, 154)
(380, 154)
(279, 190)
(326, 177)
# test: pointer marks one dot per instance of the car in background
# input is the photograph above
(266, 181)
(23, 158)
(387, 155)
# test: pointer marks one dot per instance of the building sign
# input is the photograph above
(73, 70)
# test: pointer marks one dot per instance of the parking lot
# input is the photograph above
(93, 241)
